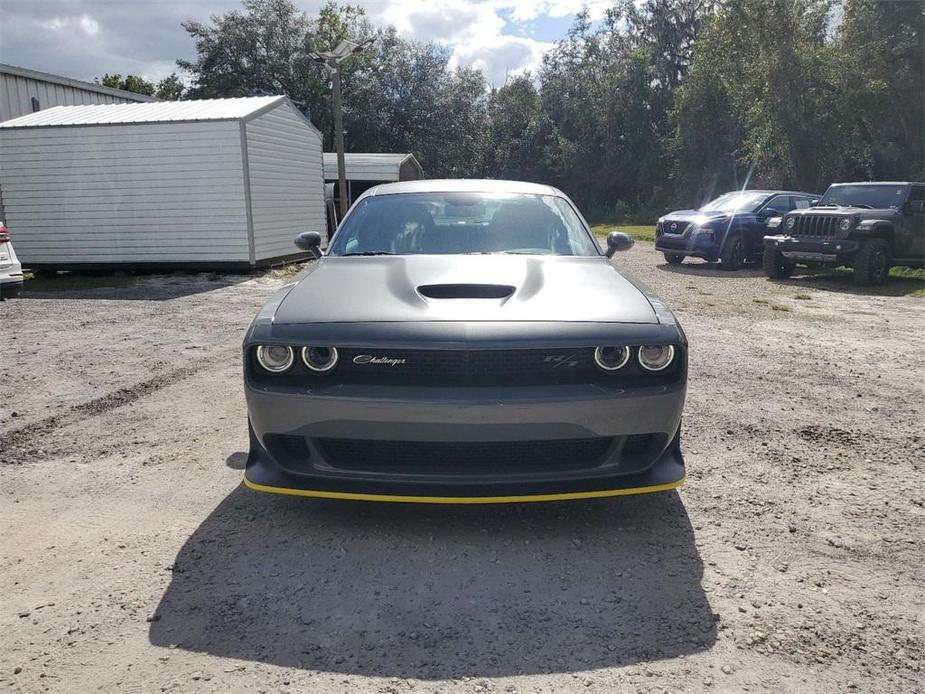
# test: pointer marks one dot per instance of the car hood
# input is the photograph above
(694, 216)
(848, 211)
(464, 288)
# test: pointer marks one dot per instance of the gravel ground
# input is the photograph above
(133, 560)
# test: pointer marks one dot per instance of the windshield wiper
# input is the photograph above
(344, 255)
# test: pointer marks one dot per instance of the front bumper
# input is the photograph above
(476, 416)
(812, 249)
(694, 245)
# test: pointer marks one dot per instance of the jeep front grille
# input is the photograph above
(823, 226)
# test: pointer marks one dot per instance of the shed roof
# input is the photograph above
(368, 166)
(73, 83)
(154, 112)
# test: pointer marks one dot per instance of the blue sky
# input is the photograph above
(87, 38)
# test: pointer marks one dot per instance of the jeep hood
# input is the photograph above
(464, 288)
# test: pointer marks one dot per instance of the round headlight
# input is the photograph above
(791, 222)
(319, 359)
(656, 357)
(611, 358)
(844, 224)
(275, 358)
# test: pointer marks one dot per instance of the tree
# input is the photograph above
(131, 83)
(170, 88)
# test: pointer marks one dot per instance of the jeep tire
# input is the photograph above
(872, 263)
(674, 258)
(734, 253)
(775, 265)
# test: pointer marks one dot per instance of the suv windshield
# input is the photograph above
(465, 222)
(732, 202)
(878, 197)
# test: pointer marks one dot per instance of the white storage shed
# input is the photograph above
(205, 184)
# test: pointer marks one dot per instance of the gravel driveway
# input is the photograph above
(133, 560)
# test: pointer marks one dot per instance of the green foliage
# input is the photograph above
(663, 103)
(130, 83)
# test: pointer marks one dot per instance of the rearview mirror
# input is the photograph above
(618, 241)
(309, 241)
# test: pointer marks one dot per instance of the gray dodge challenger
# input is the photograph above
(464, 341)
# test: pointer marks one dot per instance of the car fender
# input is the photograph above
(875, 228)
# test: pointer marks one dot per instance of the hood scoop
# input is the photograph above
(465, 291)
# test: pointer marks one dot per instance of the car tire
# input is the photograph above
(872, 263)
(734, 253)
(775, 265)
(674, 258)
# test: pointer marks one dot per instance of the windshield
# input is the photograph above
(878, 197)
(467, 222)
(732, 202)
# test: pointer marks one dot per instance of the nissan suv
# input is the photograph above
(866, 226)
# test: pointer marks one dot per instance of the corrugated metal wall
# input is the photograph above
(286, 180)
(156, 193)
(16, 94)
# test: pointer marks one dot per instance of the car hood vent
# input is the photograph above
(466, 291)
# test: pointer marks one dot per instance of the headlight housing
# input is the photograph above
(774, 222)
(275, 358)
(612, 358)
(656, 357)
(319, 359)
(844, 224)
(791, 222)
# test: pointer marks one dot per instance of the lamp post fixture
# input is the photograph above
(332, 60)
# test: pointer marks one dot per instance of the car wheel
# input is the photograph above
(674, 258)
(775, 265)
(872, 263)
(734, 253)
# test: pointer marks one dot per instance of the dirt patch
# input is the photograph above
(134, 560)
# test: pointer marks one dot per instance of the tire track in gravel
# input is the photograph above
(15, 443)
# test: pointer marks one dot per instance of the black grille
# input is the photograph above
(816, 225)
(421, 367)
(464, 457)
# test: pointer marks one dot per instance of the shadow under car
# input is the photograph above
(438, 592)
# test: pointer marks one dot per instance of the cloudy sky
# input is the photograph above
(87, 38)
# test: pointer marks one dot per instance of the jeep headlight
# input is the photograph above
(791, 222)
(844, 224)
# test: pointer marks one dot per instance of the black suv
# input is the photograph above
(867, 226)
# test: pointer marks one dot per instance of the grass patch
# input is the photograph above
(285, 272)
(761, 301)
(902, 281)
(802, 297)
(644, 232)
(777, 307)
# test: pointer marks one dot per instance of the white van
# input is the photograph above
(10, 269)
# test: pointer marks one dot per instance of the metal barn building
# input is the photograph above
(211, 183)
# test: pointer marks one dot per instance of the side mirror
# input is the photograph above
(916, 206)
(770, 212)
(618, 241)
(309, 241)
(814, 202)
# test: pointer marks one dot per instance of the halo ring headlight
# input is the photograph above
(791, 222)
(656, 357)
(319, 359)
(275, 358)
(844, 224)
(612, 358)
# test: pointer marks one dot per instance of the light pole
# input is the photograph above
(332, 61)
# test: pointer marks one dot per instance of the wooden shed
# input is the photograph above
(205, 184)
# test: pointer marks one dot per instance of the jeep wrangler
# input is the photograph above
(867, 226)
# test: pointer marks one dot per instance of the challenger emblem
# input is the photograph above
(565, 360)
(363, 359)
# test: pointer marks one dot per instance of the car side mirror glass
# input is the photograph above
(309, 241)
(618, 241)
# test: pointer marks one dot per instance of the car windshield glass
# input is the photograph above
(462, 222)
(879, 197)
(732, 202)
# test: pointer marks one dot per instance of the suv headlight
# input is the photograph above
(275, 358)
(844, 224)
(791, 222)
(774, 222)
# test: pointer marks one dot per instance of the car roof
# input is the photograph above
(463, 185)
(774, 192)
(878, 183)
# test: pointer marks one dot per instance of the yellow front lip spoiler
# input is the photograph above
(567, 496)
